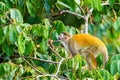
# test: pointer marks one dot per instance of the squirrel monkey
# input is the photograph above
(84, 44)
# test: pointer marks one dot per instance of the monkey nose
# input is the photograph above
(60, 36)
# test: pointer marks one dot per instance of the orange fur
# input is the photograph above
(86, 39)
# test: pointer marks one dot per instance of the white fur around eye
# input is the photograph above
(62, 35)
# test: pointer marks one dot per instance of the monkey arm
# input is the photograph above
(71, 46)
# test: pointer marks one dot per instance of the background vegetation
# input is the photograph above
(27, 27)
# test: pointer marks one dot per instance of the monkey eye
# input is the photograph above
(66, 38)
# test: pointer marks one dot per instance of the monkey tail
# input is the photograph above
(105, 56)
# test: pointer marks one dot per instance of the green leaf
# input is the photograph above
(2, 37)
(21, 44)
(113, 67)
(46, 22)
(8, 3)
(69, 4)
(97, 17)
(96, 4)
(105, 74)
(78, 2)
(13, 1)
(36, 30)
(71, 30)
(118, 65)
(30, 8)
(116, 24)
(111, 2)
(12, 74)
(12, 34)
(60, 27)
(19, 60)
(45, 32)
(18, 28)
(115, 57)
(1, 70)
(47, 6)
(40, 31)
(78, 60)
(51, 68)
(62, 52)
(5, 68)
(41, 69)
(61, 5)
(8, 71)
(15, 15)
(43, 46)
(5, 30)
(54, 35)
(8, 49)
(28, 48)
(3, 7)
(3, 19)
(87, 2)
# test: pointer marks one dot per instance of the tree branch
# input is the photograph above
(86, 20)
(88, 15)
(32, 66)
(73, 13)
(54, 51)
(50, 75)
(58, 69)
(53, 75)
(48, 61)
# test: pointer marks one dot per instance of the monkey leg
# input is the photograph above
(91, 60)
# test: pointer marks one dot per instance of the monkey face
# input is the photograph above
(63, 37)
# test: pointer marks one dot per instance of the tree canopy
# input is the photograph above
(29, 30)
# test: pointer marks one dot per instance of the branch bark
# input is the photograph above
(86, 20)
(48, 61)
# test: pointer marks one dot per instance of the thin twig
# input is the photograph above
(73, 13)
(82, 10)
(54, 51)
(70, 70)
(48, 61)
(58, 69)
(50, 75)
(32, 66)
(5, 24)
(27, 77)
(106, 3)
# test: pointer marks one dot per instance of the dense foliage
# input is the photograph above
(28, 27)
